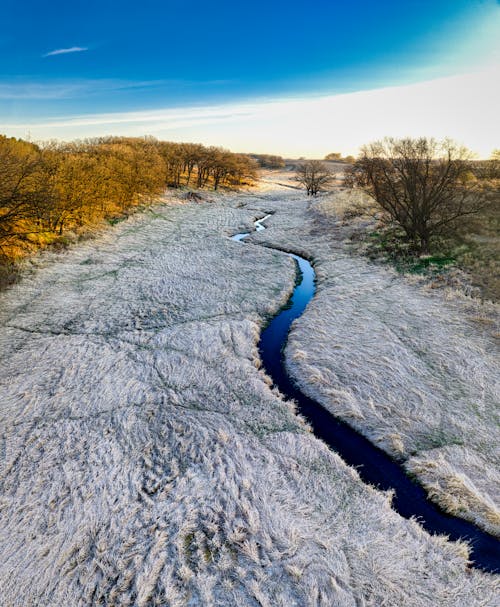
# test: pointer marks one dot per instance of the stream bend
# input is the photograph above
(373, 465)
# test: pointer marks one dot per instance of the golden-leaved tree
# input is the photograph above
(50, 189)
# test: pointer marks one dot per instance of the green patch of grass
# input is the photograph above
(437, 439)
(117, 219)
(473, 246)
(391, 244)
(430, 263)
(189, 546)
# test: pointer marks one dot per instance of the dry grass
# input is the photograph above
(462, 482)
(145, 459)
(410, 368)
(467, 260)
(345, 204)
(479, 252)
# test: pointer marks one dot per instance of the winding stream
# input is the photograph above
(373, 465)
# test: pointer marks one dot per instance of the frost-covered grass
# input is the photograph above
(145, 459)
(416, 373)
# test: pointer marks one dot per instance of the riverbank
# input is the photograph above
(373, 465)
(145, 457)
(413, 370)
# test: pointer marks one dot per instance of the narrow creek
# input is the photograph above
(373, 465)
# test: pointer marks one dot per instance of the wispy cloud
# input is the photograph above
(65, 51)
(72, 89)
(36, 91)
(463, 107)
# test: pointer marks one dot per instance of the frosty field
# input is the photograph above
(416, 373)
(145, 460)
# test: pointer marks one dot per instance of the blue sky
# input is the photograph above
(59, 60)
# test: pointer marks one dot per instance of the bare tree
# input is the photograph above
(314, 175)
(423, 185)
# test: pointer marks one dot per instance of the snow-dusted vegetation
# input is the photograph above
(411, 371)
(145, 460)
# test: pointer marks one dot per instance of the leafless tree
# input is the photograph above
(314, 175)
(423, 185)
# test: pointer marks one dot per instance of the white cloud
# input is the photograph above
(462, 107)
(65, 51)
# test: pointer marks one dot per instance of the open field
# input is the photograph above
(145, 459)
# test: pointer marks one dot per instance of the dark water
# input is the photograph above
(373, 465)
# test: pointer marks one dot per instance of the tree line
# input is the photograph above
(268, 161)
(50, 189)
(337, 157)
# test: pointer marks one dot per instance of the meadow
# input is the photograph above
(146, 459)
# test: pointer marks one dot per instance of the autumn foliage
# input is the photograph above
(50, 190)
